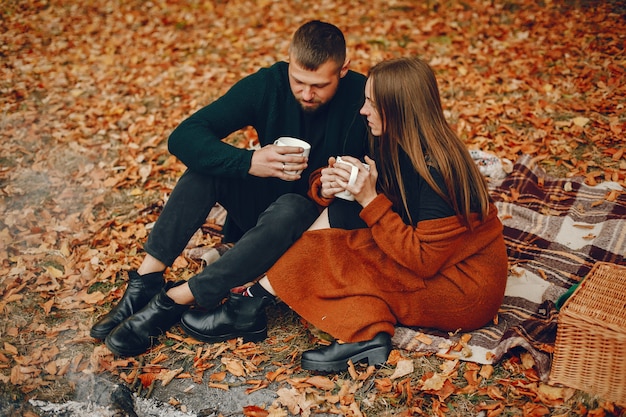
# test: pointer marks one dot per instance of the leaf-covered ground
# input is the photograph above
(89, 92)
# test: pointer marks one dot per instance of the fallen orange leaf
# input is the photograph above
(254, 411)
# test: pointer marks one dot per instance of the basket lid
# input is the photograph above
(601, 295)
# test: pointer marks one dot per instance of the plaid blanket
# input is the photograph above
(555, 231)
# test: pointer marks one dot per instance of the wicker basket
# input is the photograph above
(590, 349)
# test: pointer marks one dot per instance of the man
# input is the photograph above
(314, 97)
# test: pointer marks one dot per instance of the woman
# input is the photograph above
(424, 247)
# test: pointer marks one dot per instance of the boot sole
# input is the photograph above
(125, 353)
(255, 336)
(375, 356)
(99, 335)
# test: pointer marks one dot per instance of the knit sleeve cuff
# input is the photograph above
(376, 209)
(315, 188)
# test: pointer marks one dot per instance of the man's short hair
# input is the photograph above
(316, 42)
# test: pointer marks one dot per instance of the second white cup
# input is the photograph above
(354, 172)
(289, 141)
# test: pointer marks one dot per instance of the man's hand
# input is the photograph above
(278, 161)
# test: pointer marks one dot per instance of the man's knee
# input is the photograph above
(291, 209)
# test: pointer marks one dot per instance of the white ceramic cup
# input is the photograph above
(289, 141)
(354, 172)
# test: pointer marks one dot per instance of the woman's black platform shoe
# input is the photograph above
(136, 334)
(334, 358)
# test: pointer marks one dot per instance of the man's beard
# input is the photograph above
(311, 109)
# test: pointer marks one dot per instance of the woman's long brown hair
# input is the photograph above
(406, 95)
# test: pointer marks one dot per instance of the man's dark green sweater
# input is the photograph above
(264, 100)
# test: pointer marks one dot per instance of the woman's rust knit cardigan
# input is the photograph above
(354, 284)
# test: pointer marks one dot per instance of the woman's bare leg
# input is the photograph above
(321, 222)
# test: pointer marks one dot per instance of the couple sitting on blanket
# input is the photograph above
(420, 245)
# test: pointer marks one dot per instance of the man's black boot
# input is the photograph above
(140, 290)
(136, 334)
(238, 316)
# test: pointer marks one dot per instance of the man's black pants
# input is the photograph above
(272, 223)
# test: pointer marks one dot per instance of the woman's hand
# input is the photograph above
(335, 179)
(329, 178)
(364, 188)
